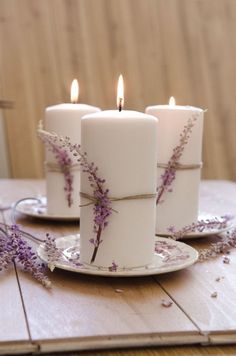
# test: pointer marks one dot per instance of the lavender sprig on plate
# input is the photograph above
(53, 253)
(223, 246)
(200, 226)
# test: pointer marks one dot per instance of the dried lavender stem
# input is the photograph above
(98, 237)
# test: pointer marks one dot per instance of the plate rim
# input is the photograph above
(209, 232)
(44, 216)
(134, 272)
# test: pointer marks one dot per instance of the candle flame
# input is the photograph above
(172, 101)
(74, 91)
(120, 93)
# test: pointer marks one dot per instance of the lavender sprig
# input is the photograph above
(53, 253)
(64, 161)
(13, 248)
(102, 207)
(102, 204)
(169, 175)
(200, 226)
(226, 243)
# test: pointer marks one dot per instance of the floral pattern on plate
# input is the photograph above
(169, 256)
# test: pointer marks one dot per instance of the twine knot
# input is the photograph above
(61, 168)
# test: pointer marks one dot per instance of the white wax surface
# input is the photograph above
(123, 146)
(65, 120)
(180, 207)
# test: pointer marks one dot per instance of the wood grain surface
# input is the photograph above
(85, 312)
(92, 312)
(184, 48)
(199, 282)
(167, 351)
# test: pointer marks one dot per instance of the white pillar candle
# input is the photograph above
(123, 147)
(64, 120)
(179, 207)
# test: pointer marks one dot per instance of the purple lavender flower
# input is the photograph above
(169, 174)
(65, 163)
(113, 267)
(53, 253)
(13, 248)
(226, 243)
(200, 226)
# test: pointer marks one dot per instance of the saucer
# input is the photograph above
(169, 256)
(207, 232)
(37, 208)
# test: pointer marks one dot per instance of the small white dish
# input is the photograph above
(206, 232)
(37, 208)
(169, 256)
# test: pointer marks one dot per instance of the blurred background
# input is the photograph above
(184, 48)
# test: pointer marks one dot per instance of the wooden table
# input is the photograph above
(87, 312)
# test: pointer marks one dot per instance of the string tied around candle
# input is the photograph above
(93, 200)
(178, 166)
(57, 168)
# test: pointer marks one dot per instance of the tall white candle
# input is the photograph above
(64, 120)
(179, 207)
(124, 147)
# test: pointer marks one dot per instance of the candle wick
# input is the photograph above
(120, 104)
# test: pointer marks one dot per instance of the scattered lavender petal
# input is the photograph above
(166, 303)
(214, 295)
(119, 290)
(226, 260)
(113, 267)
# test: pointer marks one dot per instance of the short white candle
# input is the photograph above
(64, 120)
(179, 207)
(123, 145)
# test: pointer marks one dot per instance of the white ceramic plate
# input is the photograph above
(207, 232)
(37, 208)
(169, 256)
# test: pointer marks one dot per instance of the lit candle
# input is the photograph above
(179, 207)
(65, 120)
(122, 144)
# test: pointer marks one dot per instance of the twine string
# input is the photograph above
(55, 167)
(179, 167)
(93, 200)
